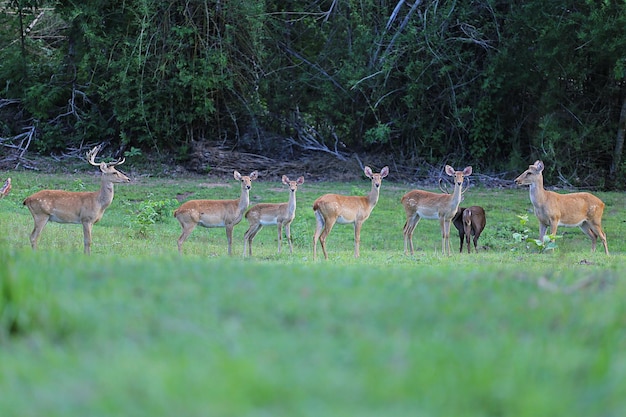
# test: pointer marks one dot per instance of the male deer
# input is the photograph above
(75, 207)
(266, 214)
(552, 209)
(215, 213)
(333, 208)
(420, 204)
(469, 222)
(6, 187)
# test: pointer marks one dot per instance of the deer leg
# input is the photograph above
(328, 226)
(409, 227)
(229, 237)
(248, 237)
(280, 234)
(319, 225)
(542, 230)
(87, 237)
(598, 230)
(476, 241)
(40, 223)
(461, 239)
(187, 229)
(357, 238)
(442, 225)
(288, 233)
(447, 236)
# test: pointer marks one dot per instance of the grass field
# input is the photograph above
(137, 330)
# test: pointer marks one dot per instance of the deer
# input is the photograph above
(553, 209)
(75, 207)
(266, 214)
(6, 187)
(215, 213)
(334, 208)
(420, 204)
(469, 222)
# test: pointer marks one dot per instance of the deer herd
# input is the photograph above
(552, 210)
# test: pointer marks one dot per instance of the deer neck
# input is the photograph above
(105, 195)
(538, 194)
(244, 200)
(457, 195)
(291, 205)
(372, 197)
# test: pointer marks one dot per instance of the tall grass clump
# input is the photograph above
(26, 307)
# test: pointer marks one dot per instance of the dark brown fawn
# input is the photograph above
(469, 222)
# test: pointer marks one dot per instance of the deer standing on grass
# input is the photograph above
(6, 187)
(266, 214)
(215, 213)
(333, 208)
(469, 222)
(75, 207)
(552, 209)
(420, 204)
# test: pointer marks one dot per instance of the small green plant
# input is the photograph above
(133, 152)
(151, 212)
(79, 185)
(542, 245)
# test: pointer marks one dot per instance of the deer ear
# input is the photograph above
(368, 172)
(285, 180)
(300, 181)
(450, 171)
(467, 171)
(539, 165)
(254, 175)
(384, 172)
(237, 175)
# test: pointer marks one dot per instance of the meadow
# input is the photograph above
(135, 329)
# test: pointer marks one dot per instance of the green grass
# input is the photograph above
(137, 330)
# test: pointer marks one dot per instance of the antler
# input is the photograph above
(91, 156)
(442, 190)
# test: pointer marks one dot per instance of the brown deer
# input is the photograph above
(6, 187)
(420, 204)
(553, 210)
(215, 213)
(334, 208)
(266, 214)
(76, 207)
(469, 222)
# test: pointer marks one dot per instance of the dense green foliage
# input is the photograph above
(491, 83)
(137, 330)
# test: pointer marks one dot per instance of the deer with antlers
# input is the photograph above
(553, 210)
(215, 213)
(420, 204)
(333, 208)
(266, 214)
(73, 207)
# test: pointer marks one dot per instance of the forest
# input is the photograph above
(490, 83)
